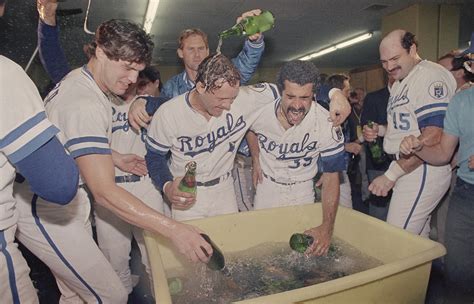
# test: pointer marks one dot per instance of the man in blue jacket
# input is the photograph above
(194, 47)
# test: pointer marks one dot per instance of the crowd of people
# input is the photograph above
(112, 138)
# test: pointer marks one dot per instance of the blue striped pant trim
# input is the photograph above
(56, 249)
(11, 269)
(423, 181)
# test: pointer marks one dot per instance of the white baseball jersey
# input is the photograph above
(289, 158)
(82, 112)
(61, 236)
(23, 129)
(124, 139)
(213, 144)
(291, 155)
(418, 101)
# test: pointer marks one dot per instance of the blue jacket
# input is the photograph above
(246, 62)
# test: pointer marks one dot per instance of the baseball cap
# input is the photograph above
(470, 49)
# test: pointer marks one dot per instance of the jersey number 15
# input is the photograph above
(401, 121)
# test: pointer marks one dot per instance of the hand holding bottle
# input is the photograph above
(179, 199)
(190, 243)
(322, 239)
(254, 12)
(251, 24)
(370, 133)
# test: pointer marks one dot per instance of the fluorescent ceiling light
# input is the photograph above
(150, 15)
(337, 46)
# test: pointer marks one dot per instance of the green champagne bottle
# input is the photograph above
(250, 25)
(300, 242)
(375, 148)
(175, 286)
(217, 260)
(188, 183)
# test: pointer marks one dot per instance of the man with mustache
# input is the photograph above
(294, 133)
(417, 106)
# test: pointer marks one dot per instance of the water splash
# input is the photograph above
(268, 269)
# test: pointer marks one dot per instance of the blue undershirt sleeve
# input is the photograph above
(153, 103)
(51, 53)
(158, 169)
(51, 173)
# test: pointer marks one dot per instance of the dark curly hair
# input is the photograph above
(408, 39)
(299, 72)
(150, 73)
(458, 64)
(215, 70)
(122, 40)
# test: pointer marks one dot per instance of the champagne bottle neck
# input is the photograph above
(236, 30)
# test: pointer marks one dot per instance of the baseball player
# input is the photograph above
(417, 105)
(460, 220)
(28, 146)
(114, 235)
(202, 126)
(293, 133)
(80, 107)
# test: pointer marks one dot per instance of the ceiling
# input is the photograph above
(301, 26)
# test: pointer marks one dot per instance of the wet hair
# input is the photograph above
(337, 81)
(299, 72)
(191, 32)
(408, 39)
(152, 74)
(457, 62)
(215, 70)
(122, 40)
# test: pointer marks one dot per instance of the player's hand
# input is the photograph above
(254, 12)
(381, 185)
(47, 11)
(130, 163)
(410, 144)
(190, 243)
(257, 173)
(339, 108)
(137, 115)
(178, 199)
(471, 162)
(370, 134)
(322, 239)
(353, 148)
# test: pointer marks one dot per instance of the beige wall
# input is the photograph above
(436, 27)
(370, 79)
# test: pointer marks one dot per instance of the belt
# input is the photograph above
(393, 156)
(214, 181)
(280, 183)
(132, 178)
